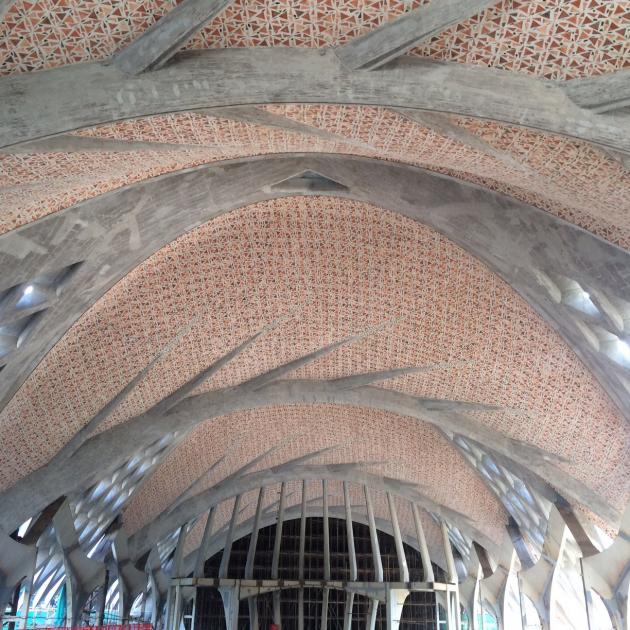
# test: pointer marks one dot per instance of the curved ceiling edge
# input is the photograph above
(145, 538)
(103, 238)
(293, 513)
(80, 95)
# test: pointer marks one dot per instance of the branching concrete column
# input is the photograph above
(174, 597)
(376, 555)
(395, 601)
(159, 586)
(83, 574)
(468, 590)
(492, 587)
(538, 580)
(17, 563)
(275, 560)
(608, 573)
(230, 597)
(131, 582)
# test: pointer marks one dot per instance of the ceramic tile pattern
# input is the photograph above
(549, 38)
(336, 267)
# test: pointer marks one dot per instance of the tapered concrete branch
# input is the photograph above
(258, 116)
(118, 444)
(83, 574)
(162, 40)
(69, 143)
(17, 562)
(442, 125)
(395, 38)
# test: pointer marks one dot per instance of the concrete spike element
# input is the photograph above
(393, 39)
(162, 40)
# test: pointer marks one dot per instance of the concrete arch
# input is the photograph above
(143, 540)
(113, 233)
(294, 512)
(46, 103)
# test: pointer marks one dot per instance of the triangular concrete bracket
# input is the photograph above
(308, 181)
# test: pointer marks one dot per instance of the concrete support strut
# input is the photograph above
(427, 567)
(83, 575)
(452, 600)
(608, 574)
(393, 39)
(403, 570)
(275, 560)
(17, 563)
(131, 581)
(164, 38)
(538, 580)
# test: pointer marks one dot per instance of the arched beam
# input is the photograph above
(115, 446)
(114, 232)
(145, 538)
(81, 95)
(294, 512)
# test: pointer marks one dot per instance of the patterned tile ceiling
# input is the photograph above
(557, 39)
(337, 267)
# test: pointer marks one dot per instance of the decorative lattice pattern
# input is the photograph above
(334, 268)
(555, 39)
